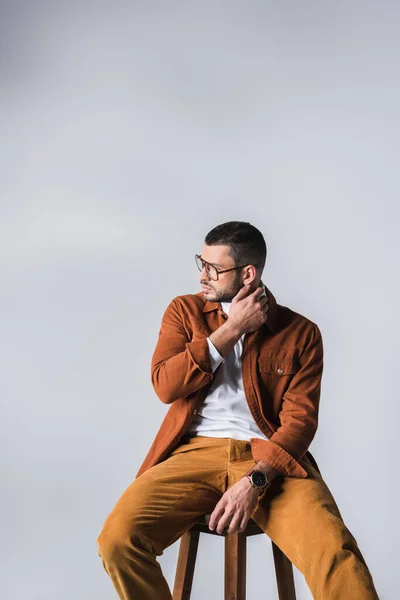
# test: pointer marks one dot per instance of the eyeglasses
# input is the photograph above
(212, 271)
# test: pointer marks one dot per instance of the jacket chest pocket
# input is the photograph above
(274, 376)
(279, 367)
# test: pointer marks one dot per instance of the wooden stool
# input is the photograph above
(235, 563)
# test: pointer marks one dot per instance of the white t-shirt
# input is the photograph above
(225, 412)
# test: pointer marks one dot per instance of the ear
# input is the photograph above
(250, 277)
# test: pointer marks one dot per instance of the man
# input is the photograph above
(242, 375)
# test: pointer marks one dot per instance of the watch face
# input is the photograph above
(259, 478)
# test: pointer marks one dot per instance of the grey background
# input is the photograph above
(128, 131)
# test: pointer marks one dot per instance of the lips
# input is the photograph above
(205, 288)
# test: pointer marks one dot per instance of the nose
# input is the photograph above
(206, 279)
(205, 282)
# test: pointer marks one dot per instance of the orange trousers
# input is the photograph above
(299, 515)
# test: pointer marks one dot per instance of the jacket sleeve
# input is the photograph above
(298, 415)
(179, 366)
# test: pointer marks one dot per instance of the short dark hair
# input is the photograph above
(246, 243)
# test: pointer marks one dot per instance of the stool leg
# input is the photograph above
(284, 574)
(235, 566)
(185, 566)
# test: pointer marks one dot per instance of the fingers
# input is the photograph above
(223, 523)
(216, 515)
(220, 519)
(243, 523)
(261, 296)
(232, 523)
(242, 293)
(233, 526)
(257, 291)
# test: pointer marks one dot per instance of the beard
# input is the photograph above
(224, 295)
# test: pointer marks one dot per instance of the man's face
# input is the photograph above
(228, 284)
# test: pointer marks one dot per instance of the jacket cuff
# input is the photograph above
(277, 457)
(200, 354)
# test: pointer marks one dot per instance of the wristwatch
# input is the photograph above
(258, 480)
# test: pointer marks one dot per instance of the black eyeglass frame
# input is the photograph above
(214, 267)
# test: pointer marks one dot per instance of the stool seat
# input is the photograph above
(235, 562)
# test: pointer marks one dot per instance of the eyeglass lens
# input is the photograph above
(210, 270)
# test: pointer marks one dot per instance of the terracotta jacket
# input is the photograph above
(282, 363)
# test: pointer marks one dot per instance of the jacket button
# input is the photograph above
(195, 411)
(280, 370)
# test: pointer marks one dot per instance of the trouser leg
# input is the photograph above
(303, 519)
(155, 511)
(299, 515)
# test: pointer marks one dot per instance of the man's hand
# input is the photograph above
(247, 314)
(248, 309)
(235, 507)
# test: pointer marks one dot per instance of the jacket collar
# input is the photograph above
(272, 308)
